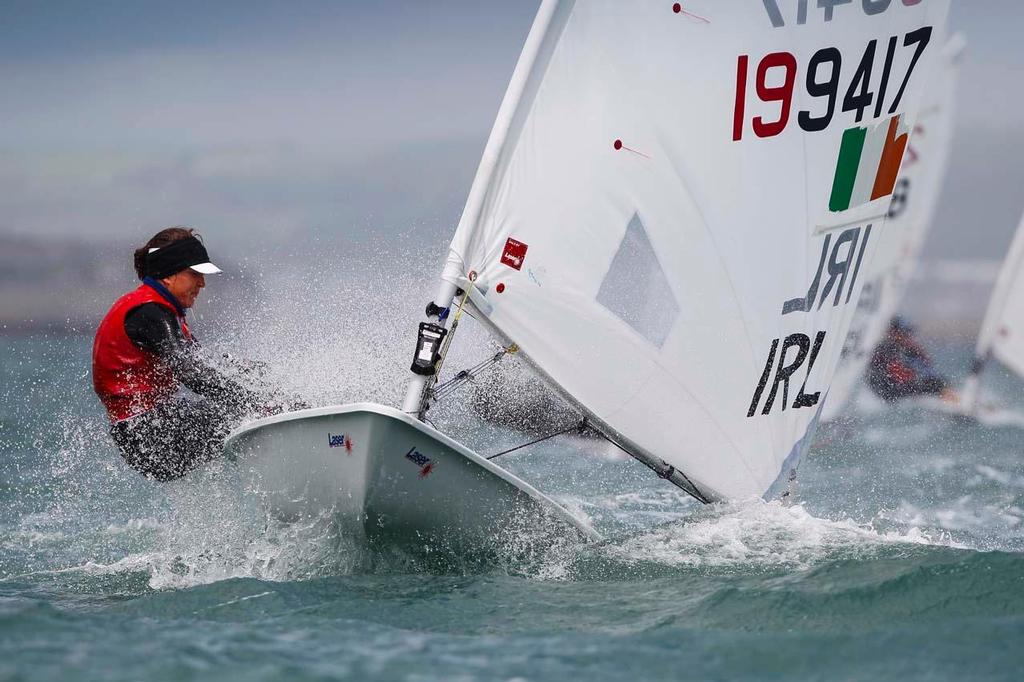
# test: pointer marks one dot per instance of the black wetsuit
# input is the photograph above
(178, 435)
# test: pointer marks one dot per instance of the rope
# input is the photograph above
(693, 491)
(446, 388)
(451, 332)
(666, 474)
(428, 390)
(465, 375)
(579, 426)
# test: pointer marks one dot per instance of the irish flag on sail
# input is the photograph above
(869, 162)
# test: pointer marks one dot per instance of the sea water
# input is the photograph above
(902, 557)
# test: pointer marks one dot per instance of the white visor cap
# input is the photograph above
(206, 269)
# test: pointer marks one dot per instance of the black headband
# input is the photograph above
(175, 257)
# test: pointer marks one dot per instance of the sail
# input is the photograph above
(1002, 331)
(910, 217)
(674, 207)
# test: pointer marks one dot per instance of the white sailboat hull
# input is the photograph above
(382, 473)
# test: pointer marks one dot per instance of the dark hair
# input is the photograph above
(158, 241)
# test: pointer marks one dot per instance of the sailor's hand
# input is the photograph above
(246, 366)
(270, 409)
(284, 404)
(296, 403)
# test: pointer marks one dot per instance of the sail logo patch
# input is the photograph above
(422, 461)
(340, 440)
(514, 254)
(868, 165)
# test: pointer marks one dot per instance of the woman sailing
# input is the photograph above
(144, 352)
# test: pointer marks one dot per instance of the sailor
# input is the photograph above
(900, 367)
(144, 350)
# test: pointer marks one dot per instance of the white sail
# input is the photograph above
(1002, 331)
(911, 215)
(674, 207)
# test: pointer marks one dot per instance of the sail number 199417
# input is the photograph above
(824, 81)
(828, 9)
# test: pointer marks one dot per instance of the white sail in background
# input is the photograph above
(1002, 331)
(911, 215)
(674, 209)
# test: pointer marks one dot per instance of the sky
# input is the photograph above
(291, 120)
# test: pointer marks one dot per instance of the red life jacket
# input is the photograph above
(898, 373)
(129, 380)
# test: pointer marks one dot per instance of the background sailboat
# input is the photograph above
(910, 218)
(1001, 336)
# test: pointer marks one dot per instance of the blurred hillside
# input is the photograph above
(66, 286)
(273, 210)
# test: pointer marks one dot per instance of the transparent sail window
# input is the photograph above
(635, 287)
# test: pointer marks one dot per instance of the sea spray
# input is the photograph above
(901, 557)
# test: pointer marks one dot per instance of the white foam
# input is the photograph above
(181, 557)
(1000, 477)
(30, 538)
(239, 600)
(132, 526)
(761, 533)
(988, 524)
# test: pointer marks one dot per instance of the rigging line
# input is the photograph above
(451, 332)
(438, 396)
(467, 374)
(445, 389)
(579, 426)
(694, 492)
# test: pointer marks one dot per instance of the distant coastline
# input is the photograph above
(63, 288)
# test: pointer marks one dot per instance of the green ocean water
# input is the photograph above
(903, 558)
